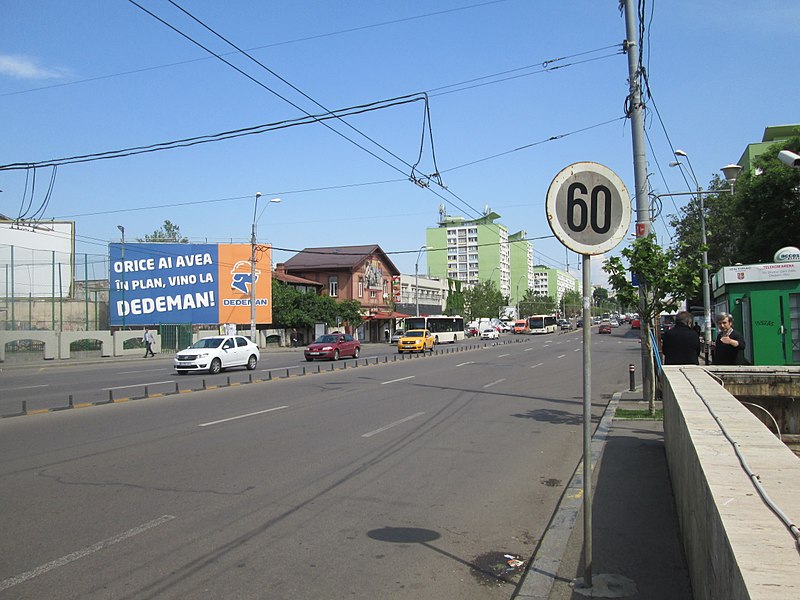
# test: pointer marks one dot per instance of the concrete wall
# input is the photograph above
(736, 547)
(57, 343)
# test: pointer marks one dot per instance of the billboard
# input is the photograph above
(153, 284)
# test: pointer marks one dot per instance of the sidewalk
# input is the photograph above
(637, 551)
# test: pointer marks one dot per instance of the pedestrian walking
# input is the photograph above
(729, 347)
(148, 340)
(294, 337)
(681, 344)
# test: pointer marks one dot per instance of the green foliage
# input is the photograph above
(599, 296)
(767, 200)
(483, 300)
(533, 303)
(572, 303)
(294, 308)
(169, 232)
(455, 298)
(664, 277)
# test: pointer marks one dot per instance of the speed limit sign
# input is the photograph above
(588, 208)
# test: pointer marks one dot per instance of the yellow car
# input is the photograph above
(415, 340)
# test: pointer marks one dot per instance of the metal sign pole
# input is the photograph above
(587, 420)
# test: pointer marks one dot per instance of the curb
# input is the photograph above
(543, 567)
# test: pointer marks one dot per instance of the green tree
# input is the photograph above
(483, 300)
(169, 232)
(534, 303)
(455, 298)
(664, 280)
(599, 296)
(572, 303)
(767, 200)
(295, 308)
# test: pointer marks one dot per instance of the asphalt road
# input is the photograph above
(398, 480)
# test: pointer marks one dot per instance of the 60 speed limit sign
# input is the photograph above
(588, 208)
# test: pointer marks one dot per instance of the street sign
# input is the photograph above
(588, 208)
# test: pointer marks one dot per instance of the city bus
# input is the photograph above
(443, 328)
(542, 324)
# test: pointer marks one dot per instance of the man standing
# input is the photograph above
(149, 340)
(681, 344)
(730, 345)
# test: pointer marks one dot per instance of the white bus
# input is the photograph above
(542, 324)
(443, 328)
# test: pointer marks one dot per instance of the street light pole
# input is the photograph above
(122, 230)
(253, 269)
(416, 278)
(253, 273)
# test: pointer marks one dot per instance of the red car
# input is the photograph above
(333, 346)
(604, 328)
(636, 323)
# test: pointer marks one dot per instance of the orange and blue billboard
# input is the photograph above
(153, 284)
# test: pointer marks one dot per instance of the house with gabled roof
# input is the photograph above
(361, 273)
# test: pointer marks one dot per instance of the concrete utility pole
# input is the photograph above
(643, 217)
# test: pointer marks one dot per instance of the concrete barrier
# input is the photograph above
(49, 338)
(736, 546)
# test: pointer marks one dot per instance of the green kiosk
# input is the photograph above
(764, 300)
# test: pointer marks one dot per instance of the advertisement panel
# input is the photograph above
(152, 284)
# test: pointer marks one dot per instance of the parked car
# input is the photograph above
(416, 340)
(398, 333)
(604, 328)
(217, 352)
(490, 333)
(333, 346)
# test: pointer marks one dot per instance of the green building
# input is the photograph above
(776, 133)
(764, 300)
(477, 250)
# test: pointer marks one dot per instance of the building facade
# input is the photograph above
(553, 282)
(478, 250)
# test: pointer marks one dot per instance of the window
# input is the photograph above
(373, 294)
(333, 286)
(385, 287)
(360, 287)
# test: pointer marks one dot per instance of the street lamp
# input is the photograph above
(706, 286)
(520, 279)
(416, 278)
(253, 269)
(122, 231)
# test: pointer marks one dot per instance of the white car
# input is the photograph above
(490, 333)
(218, 352)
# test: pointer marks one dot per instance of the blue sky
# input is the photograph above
(93, 76)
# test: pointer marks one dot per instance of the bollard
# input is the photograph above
(250, 378)
(287, 373)
(229, 381)
(110, 395)
(269, 375)
(24, 406)
(632, 374)
(71, 403)
(304, 370)
(204, 385)
(146, 392)
(319, 368)
(177, 388)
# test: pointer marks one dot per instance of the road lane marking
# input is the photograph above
(577, 349)
(65, 560)
(253, 414)
(527, 349)
(502, 355)
(488, 385)
(390, 425)
(561, 356)
(141, 371)
(469, 362)
(536, 365)
(27, 387)
(396, 380)
(122, 387)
